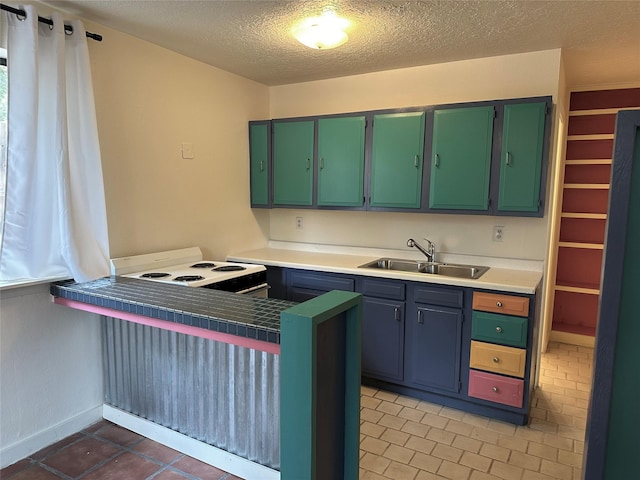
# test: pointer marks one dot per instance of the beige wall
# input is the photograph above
(511, 76)
(149, 101)
(51, 371)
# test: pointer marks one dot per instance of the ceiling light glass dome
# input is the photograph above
(323, 32)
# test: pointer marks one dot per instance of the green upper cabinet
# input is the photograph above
(293, 162)
(396, 161)
(461, 158)
(341, 161)
(483, 158)
(521, 157)
(259, 148)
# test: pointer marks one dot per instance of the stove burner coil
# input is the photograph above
(203, 265)
(188, 278)
(229, 268)
(154, 275)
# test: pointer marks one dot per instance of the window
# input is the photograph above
(3, 132)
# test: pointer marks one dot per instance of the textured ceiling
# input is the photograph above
(600, 39)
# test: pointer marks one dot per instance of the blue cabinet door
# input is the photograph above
(432, 355)
(382, 338)
(304, 285)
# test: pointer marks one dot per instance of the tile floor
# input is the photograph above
(106, 451)
(401, 438)
(404, 438)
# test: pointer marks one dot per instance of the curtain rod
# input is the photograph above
(48, 21)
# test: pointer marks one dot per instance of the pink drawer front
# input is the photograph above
(496, 388)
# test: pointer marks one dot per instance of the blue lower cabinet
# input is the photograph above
(416, 339)
(432, 353)
(304, 285)
(382, 338)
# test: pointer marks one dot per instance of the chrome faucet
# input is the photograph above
(430, 251)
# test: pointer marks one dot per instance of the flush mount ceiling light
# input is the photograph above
(323, 32)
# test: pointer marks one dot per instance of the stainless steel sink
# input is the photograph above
(433, 268)
(451, 270)
(396, 264)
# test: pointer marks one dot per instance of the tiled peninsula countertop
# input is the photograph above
(224, 313)
(514, 280)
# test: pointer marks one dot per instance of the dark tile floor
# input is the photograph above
(105, 451)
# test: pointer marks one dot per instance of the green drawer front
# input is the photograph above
(503, 329)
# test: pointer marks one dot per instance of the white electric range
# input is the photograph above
(186, 267)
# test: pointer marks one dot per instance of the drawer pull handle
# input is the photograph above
(396, 314)
(498, 329)
(420, 320)
(494, 389)
(496, 360)
(499, 304)
(308, 163)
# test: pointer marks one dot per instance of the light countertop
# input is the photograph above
(496, 278)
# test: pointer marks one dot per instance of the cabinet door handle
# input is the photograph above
(262, 165)
(499, 304)
(498, 329)
(396, 314)
(420, 319)
(321, 163)
(416, 161)
(308, 163)
(496, 360)
(507, 158)
(436, 161)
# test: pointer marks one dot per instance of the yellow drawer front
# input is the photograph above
(499, 359)
(499, 303)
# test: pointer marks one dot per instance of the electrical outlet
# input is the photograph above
(298, 223)
(498, 233)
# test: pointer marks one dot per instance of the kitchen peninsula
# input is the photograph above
(235, 379)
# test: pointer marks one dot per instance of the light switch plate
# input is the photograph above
(187, 151)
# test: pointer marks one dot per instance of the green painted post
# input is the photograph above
(301, 328)
(624, 421)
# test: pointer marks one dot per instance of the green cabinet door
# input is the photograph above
(259, 163)
(461, 158)
(521, 157)
(396, 161)
(293, 163)
(341, 161)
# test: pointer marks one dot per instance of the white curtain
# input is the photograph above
(55, 215)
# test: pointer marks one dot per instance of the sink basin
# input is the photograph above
(433, 268)
(397, 264)
(451, 270)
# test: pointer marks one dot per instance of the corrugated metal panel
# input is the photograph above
(221, 394)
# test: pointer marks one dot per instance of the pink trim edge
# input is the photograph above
(174, 327)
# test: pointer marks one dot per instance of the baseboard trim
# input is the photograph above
(23, 448)
(204, 452)
(572, 338)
